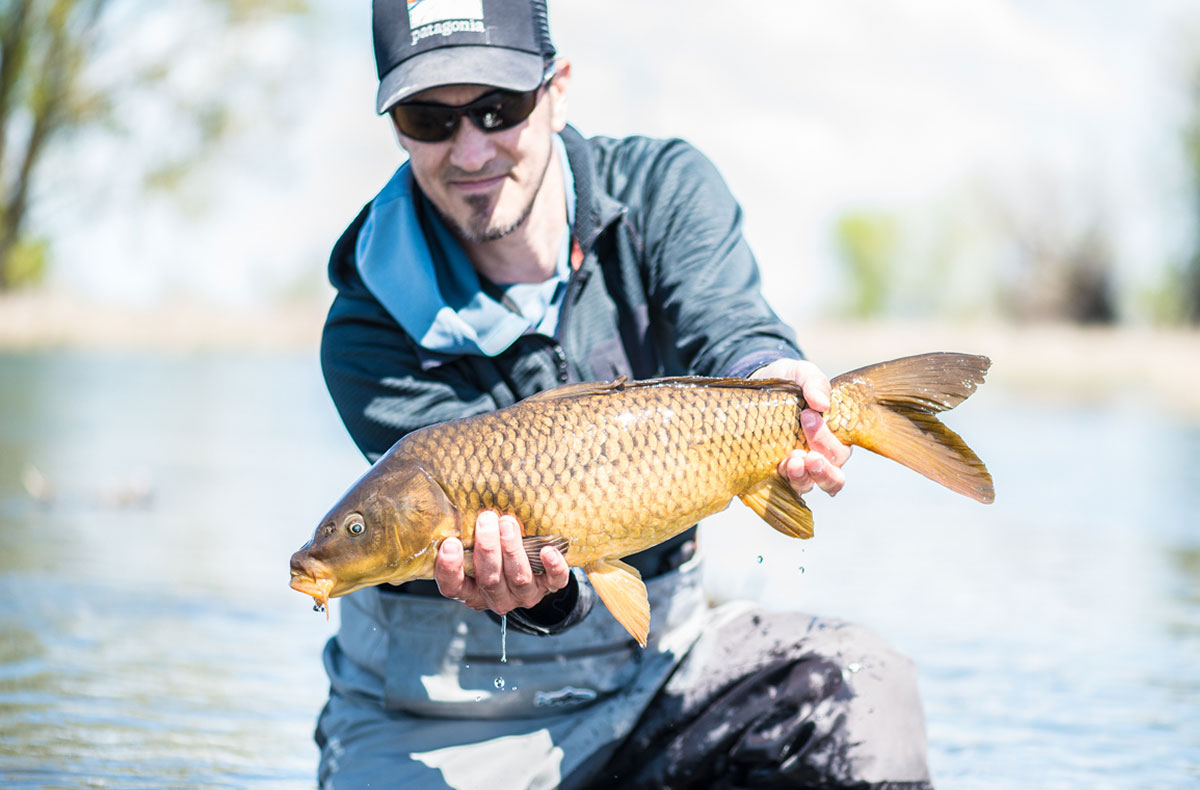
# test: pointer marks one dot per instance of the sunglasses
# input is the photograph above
(491, 112)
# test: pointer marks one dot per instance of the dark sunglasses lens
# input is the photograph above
(502, 110)
(433, 123)
(427, 123)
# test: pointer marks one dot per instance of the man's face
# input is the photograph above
(484, 183)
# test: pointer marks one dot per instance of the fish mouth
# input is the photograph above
(319, 589)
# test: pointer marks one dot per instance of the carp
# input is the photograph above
(603, 470)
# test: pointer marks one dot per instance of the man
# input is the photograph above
(507, 256)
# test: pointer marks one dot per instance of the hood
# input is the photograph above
(414, 266)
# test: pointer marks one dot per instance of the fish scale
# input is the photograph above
(599, 471)
(632, 449)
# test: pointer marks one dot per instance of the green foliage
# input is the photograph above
(25, 264)
(868, 246)
(240, 11)
(1162, 303)
(1189, 278)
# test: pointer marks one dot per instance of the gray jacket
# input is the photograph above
(666, 286)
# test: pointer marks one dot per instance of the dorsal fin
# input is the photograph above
(576, 390)
(601, 387)
(720, 383)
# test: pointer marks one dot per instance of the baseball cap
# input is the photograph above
(422, 44)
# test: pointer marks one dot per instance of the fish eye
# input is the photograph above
(354, 525)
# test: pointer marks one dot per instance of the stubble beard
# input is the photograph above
(480, 228)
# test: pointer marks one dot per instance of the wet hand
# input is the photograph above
(821, 465)
(503, 579)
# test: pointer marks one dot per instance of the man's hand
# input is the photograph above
(503, 579)
(822, 464)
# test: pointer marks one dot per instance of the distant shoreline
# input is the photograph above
(43, 322)
(1144, 366)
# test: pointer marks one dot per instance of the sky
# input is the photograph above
(926, 109)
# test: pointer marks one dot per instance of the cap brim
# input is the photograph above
(497, 67)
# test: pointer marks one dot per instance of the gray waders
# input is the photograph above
(729, 697)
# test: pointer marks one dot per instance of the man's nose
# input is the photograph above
(470, 148)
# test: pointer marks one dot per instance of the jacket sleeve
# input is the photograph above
(703, 279)
(375, 377)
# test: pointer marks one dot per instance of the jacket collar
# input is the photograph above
(595, 209)
(419, 273)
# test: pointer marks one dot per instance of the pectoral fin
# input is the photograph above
(777, 504)
(620, 587)
(534, 545)
(533, 550)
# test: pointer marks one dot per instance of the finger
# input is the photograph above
(558, 572)
(816, 390)
(828, 477)
(448, 571)
(780, 369)
(517, 573)
(792, 468)
(489, 577)
(821, 439)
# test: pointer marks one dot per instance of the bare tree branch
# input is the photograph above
(49, 90)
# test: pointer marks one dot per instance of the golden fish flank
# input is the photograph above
(615, 472)
(607, 470)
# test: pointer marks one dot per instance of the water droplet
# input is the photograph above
(802, 569)
(478, 697)
(466, 666)
(318, 607)
(504, 639)
(854, 666)
(499, 682)
(760, 559)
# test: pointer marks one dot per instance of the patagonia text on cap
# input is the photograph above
(422, 44)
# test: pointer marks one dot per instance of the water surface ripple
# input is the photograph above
(149, 503)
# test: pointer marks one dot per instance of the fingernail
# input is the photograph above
(810, 419)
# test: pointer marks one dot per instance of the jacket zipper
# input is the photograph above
(560, 361)
(574, 283)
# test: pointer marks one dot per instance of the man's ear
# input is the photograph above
(558, 93)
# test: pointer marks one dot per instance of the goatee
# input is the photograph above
(481, 227)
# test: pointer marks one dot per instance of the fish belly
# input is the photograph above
(614, 472)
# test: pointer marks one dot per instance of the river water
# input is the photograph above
(149, 503)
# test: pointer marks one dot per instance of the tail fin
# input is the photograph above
(890, 409)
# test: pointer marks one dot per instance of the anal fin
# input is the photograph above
(533, 550)
(620, 587)
(779, 505)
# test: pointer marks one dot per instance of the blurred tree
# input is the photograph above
(1060, 263)
(1189, 293)
(51, 90)
(868, 245)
